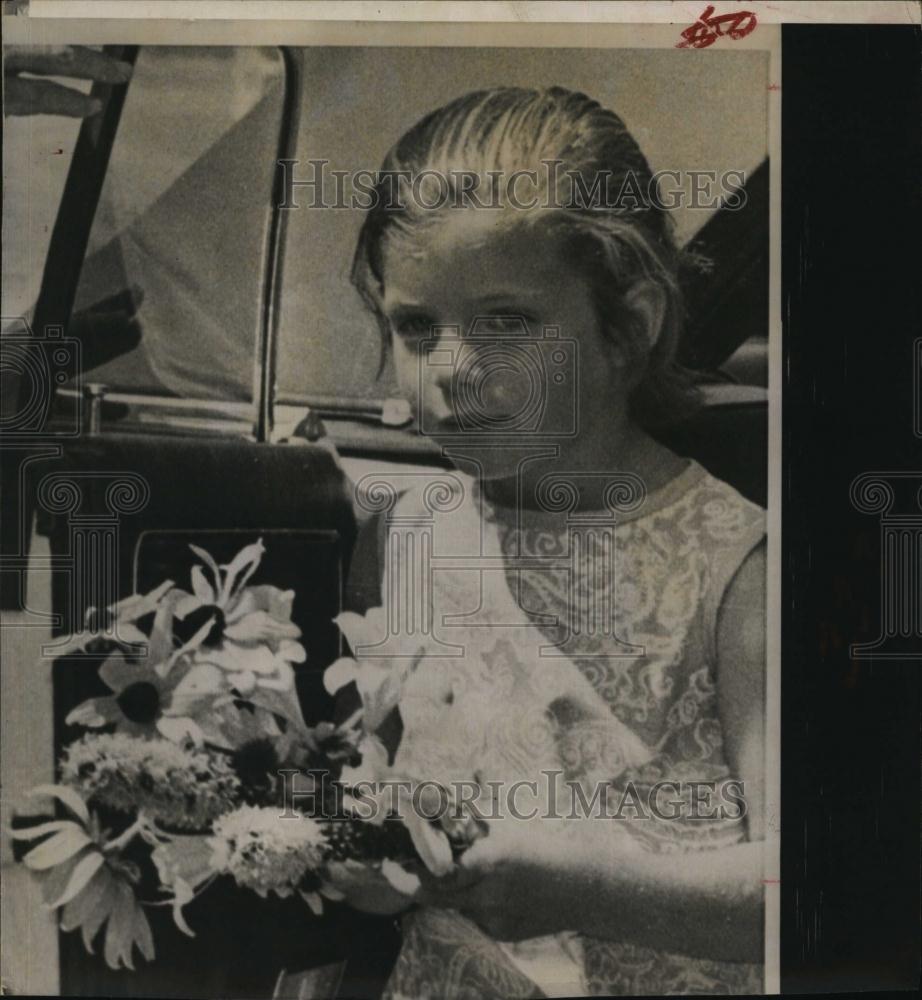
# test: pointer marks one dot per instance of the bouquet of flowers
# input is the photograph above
(185, 771)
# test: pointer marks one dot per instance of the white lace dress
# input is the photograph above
(632, 682)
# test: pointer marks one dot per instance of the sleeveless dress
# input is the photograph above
(612, 624)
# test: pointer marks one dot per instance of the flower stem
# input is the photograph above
(127, 835)
(352, 721)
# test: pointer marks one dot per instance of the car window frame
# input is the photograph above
(109, 409)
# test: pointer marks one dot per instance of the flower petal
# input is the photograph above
(56, 849)
(260, 660)
(128, 634)
(210, 562)
(292, 651)
(161, 635)
(340, 673)
(240, 569)
(260, 626)
(313, 900)
(372, 769)
(94, 713)
(117, 673)
(143, 937)
(284, 704)
(357, 629)
(244, 682)
(138, 605)
(179, 729)
(120, 928)
(66, 795)
(431, 844)
(265, 597)
(53, 881)
(186, 603)
(84, 870)
(201, 587)
(204, 681)
(73, 642)
(182, 894)
(87, 909)
(34, 832)
(234, 659)
(402, 880)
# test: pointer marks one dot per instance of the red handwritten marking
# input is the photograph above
(771, 881)
(707, 29)
(774, 86)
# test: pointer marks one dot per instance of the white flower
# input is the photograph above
(379, 679)
(240, 639)
(82, 873)
(181, 786)
(264, 851)
(116, 624)
(246, 631)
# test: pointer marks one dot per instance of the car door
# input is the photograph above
(162, 281)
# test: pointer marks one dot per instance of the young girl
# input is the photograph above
(664, 652)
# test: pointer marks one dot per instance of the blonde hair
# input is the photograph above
(493, 134)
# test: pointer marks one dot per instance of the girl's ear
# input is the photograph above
(647, 301)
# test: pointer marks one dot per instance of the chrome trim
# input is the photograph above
(268, 334)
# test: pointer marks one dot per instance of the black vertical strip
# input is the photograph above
(851, 180)
(82, 189)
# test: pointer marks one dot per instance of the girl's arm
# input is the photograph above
(528, 878)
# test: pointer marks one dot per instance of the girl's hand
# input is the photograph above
(521, 880)
(366, 888)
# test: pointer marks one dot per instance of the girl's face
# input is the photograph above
(487, 379)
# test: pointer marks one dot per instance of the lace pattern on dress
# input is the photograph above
(672, 564)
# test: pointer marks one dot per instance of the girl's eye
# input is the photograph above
(508, 325)
(413, 327)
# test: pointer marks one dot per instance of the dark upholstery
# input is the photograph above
(729, 437)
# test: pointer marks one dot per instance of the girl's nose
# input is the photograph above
(491, 385)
